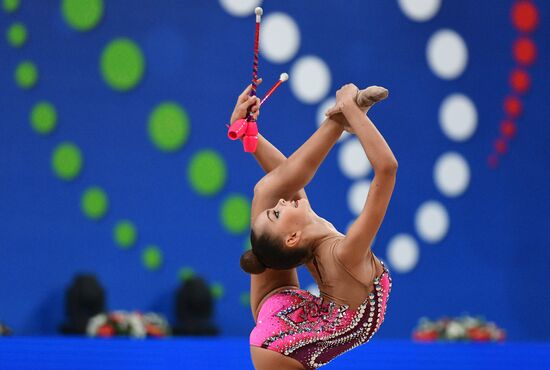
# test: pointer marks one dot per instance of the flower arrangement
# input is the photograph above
(130, 324)
(464, 328)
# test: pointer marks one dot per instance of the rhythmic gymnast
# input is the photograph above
(294, 328)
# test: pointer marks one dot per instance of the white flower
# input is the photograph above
(94, 323)
(137, 328)
(455, 330)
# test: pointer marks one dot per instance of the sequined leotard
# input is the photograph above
(315, 330)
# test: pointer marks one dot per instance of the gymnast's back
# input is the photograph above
(311, 330)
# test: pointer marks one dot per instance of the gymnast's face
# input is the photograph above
(286, 220)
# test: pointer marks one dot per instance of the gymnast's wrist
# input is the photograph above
(335, 126)
(350, 109)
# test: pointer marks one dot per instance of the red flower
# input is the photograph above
(153, 331)
(105, 331)
(479, 334)
(425, 335)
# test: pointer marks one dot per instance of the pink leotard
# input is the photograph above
(315, 330)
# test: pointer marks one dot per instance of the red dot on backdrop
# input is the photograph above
(513, 106)
(492, 161)
(508, 129)
(525, 16)
(525, 51)
(520, 81)
(500, 146)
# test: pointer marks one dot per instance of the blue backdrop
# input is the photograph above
(492, 261)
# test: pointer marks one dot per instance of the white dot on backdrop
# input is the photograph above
(451, 174)
(279, 38)
(357, 196)
(314, 289)
(240, 8)
(432, 222)
(447, 54)
(420, 10)
(323, 107)
(458, 117)
(310, 79)
(352, 159)
(403, 253)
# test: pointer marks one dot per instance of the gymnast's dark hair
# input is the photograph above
(270, 252)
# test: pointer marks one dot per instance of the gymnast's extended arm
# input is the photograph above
(356, 245)
(295, 172)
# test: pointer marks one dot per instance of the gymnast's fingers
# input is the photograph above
(246, 92)
(256, 107)
(331, 111)
(243, 107)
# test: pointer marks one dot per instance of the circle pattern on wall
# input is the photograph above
(280, 38)
(122, 64)
(94, 203)
(82, 15)
(17, 35)
(43, 117)
(169, 127)
(67, 161)
(207, 172)
(447, 54)
(420, 10)
(26, 74)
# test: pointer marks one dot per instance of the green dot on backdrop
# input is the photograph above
(169, 126)
(17, 35)
(122, 64)
(94, 203)
(217, 290)
(186, 273)
(82, 15)
(207, 172)
(235, 213)
(245, 298)
(26, 74)
(43, 117)
(67, 161)
(10, 6)
(125, 234)
(152, 257)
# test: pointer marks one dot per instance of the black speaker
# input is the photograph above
(84, 298)
(194, 309)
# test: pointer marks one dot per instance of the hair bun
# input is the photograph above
(251, 264)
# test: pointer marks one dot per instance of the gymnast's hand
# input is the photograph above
(345, 95)
(244, 102)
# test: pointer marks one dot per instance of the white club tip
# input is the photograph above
(284, 77)
(259, 11)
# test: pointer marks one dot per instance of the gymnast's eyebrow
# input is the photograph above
(267, 214)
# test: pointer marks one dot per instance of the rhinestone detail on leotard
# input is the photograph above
(317, 326)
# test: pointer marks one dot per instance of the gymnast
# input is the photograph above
(294, 328)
